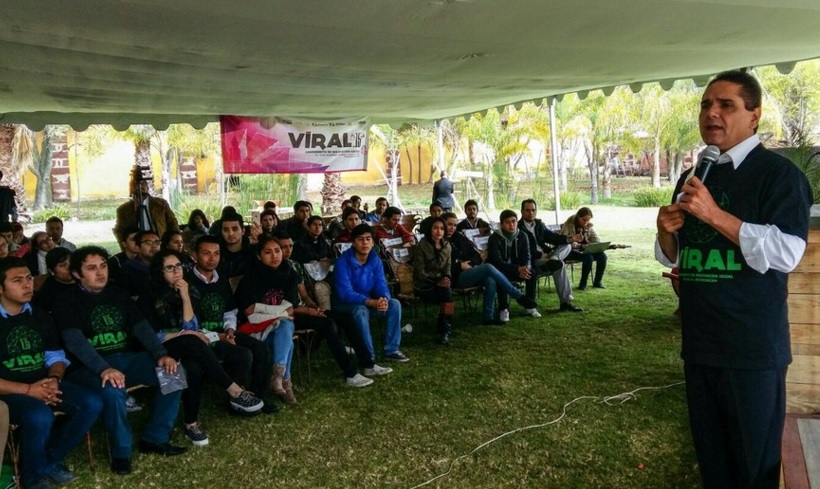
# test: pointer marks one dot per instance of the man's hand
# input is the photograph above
(228, 336)
(168, 363)
(697, 200)
(670, 219)
(46, 390)
(524, 272)
(114, 377)
(249, 310)
(466, 265)
(381, 304)
(444, 282)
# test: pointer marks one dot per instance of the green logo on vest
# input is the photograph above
(108, 326)
(27, 350)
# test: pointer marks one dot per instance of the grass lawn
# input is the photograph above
(408, 427)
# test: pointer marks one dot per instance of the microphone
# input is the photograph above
(708, 158)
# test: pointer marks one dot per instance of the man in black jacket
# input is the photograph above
(313, 246)
(548, 252)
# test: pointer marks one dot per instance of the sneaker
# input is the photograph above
(397, 357)
(59, 474)
(358, 380)
(569, 306)
(131, 405)
(196, 435)
(350, 351)
(532, 312)
(247, 402)
(377, 371)
(504, 315)
(599, 285)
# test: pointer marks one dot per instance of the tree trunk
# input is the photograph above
(142, 158)
(607, 180)
(10, 168)
(332, 192)
(40, 166)
(418, 147)
(410, 164)
(656, 165)
(593, 173)
(395, 169)
(490, 184)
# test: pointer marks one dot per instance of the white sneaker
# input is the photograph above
(358, 380)
(377, 371)
(350, 351)
(504, 315)
(532, 312)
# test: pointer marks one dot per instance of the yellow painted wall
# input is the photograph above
(375, 159)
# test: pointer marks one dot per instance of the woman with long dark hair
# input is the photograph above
(173, 318)
(432, 276)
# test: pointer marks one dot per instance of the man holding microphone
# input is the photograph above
(735, 237)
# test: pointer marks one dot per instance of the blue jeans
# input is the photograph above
(493, 281)
(44, 439)
(138, 368)
(361, 319)
(280, 341)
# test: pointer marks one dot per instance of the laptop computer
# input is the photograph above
(596, 247)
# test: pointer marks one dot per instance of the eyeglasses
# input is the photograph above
(172, 268)
(151, 243)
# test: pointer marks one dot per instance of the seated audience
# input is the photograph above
(469, 271)
(308, 315)
(197, 226)
(59, 279)
(391, 227)
(216, 227)
(432, 281)
(350, 220)
(173, 240)
(435, 211)
(54, 228)
(22, 244)
(7, 231)
(313, 246)
(41, 244)
(580, 224)
(136, 272)
(237, 255)
(295, 225)
(548, 251)
(100, 325)
(509, 252)
(472, 221)
(246, 359)
(4, 247)
(171, 313)
(361, 289)
(263, 291)
(268, 221)
(356, 203)
(375, 215)
(32, 386)
(130, 249)
(336, 225)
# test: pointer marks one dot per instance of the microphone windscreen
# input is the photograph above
(711, 153)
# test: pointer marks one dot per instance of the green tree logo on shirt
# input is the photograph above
(108, 326)
(26, 349)
(698, 231)
(212, 309)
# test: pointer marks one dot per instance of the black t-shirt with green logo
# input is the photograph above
(733, 316)
(105, 319)
(24, 339)
(211, 301)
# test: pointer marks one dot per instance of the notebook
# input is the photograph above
(596, 247)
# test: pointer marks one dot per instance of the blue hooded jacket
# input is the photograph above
(355, 283)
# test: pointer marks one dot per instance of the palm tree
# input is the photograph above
(12, 167)
(384, 136)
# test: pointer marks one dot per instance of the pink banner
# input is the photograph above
(277, 145)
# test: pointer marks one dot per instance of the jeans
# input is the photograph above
(494, 282)
(138, 368)
(326, 329)
(586, 266)
(44, 439)
(361, 319)
(280, 341)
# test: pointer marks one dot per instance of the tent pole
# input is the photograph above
(554, 158)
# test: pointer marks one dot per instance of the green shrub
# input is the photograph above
(59, 210)
(185, 203)
(653, 197)
(569, 200)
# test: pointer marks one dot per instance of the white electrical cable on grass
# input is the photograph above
(609, 400)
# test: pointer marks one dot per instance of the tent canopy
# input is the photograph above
(159, 61)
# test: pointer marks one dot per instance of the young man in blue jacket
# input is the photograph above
(361, 289)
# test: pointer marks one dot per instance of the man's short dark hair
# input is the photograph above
(381, 199)
(281, 234)
(228, 210)
(360, 230)
(269, 205)
(390, 212)
(301, 203)
(471, 202)
(125, 232)
(349, 211)
(355, 197)
(7, 264)
(528, 201)
(56, 256)
(750, 90)
(140, 235)
(506, 214)
(5, 227)
(53, 219)
(235, 217)
(78, 256)
(312, 219)
(206, 238)
(267, 212)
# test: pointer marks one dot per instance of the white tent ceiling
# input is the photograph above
(161, 61)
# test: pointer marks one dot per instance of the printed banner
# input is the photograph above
(278, 145)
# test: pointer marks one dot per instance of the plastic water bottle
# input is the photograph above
(408, 328)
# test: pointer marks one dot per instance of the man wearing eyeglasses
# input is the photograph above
(136, 271)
